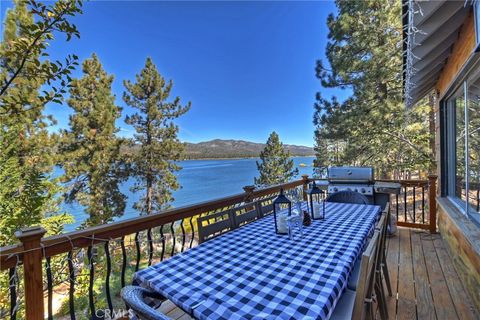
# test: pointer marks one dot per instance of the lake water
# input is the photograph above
(200, 180)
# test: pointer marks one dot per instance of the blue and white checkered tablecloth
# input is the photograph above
(253, 273)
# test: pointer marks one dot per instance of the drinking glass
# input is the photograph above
(295, 227)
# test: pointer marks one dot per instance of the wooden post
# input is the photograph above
(248, 193)
(32, 271)
(305, 186)
(432, 202)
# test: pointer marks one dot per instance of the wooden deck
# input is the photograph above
(172, 311)
(424, 282)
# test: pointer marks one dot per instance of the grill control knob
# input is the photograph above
(362, 190)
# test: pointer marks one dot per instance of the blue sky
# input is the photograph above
(247, 67)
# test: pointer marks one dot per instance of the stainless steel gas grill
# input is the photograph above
(362, 180)
(359, 179)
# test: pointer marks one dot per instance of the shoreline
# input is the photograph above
(240, 158)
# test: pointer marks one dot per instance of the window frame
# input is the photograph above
(448, 121)
(476, 20)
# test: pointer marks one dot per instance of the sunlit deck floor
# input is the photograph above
(173, 312)
(425, 284)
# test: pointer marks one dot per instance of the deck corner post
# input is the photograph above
(432, 202)
(248, 193)
(306, 180)
(32, 271)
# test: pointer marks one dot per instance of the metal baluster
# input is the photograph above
(396, 202)
(12, 283)
(107, 278)
(423, 204)
(173, 239)
(49, 287)
(162, 238)
(414, 205)
(71, 280)
(137, 245)
(193, 232)
(183, 235)
(91, 302)
(150, 247)
(124, 262)
(405, 203)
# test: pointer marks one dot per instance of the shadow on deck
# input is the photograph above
(425, 284)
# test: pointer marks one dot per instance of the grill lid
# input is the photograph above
(350, 174)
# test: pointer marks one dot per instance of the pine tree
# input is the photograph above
(28, 194)
(275, 165)
(371, 127)
(157, 145)
(90, 148)
(27, 191)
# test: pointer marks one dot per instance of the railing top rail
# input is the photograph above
(401, 181)
(63, 243)
(408, 182)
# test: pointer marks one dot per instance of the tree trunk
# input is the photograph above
(149, 195)
(148, 198)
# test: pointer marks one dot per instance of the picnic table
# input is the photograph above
(254, 273)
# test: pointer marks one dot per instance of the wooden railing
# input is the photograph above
(415, 206)
(82, 261)
(86, 269)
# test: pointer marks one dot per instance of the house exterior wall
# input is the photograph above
(462, 50)
(463, 242)
(459, 233)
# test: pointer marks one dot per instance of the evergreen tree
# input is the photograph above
(372, 126)
(29, 29)
(276, 166)
(28, 194)
(157, 145)
(27, 191)
(327, 154)
(92, 165)
(27, 110)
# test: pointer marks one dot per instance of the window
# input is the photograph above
(476, 13)
(457, 105)
(461, 134)
(462, 147)
(473, 138)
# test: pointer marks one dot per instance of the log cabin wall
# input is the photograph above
(461, 236)
(463, 241)
(462, 50)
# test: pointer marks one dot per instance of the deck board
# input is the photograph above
(406, 308)
(424, 282)
(443, 303)
(423, 294)
(176, 313)
(392, 263)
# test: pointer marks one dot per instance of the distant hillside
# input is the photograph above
(235, 149)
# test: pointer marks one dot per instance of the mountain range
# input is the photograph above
(219, 148)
